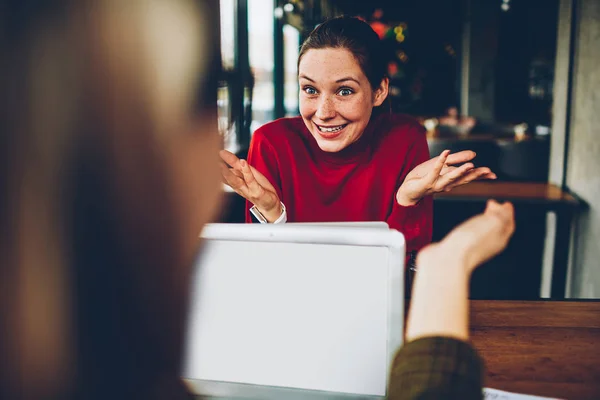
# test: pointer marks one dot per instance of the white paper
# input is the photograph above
(316, 321)
(495, 394)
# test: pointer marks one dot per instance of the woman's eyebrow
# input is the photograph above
(344, 79)
(348, 78)
(305, 77)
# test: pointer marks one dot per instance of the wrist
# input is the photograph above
(272, 214)
(404, 200)
(439, 305)
(439, 257)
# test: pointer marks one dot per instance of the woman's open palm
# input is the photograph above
(439, 174)
(248, 182)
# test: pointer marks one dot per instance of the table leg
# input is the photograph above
(564, 220)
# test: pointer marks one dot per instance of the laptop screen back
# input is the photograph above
(309, 316)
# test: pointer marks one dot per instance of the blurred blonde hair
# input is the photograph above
(93, 95)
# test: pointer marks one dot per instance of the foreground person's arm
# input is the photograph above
(437, 361)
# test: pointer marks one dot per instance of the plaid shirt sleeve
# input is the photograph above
(436, 368)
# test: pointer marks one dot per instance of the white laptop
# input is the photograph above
(295, 311)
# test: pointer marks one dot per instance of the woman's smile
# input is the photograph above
(330, 131)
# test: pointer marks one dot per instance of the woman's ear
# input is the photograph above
(381, 92)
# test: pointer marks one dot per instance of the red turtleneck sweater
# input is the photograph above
(358, 183)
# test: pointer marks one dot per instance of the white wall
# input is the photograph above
(583, 151)
(583, 157)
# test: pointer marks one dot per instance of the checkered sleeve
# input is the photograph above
(436, 368)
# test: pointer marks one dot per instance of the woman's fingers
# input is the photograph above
(234, 171)
(461, 157)
(254, 188)
(235, 163)
(489, 175)
(433, 175)
(470, 176)
(246, 180)
(447, 169)
(235, 182)
(261, 179)
(229, 158)
(453, 176)
(230, 178)
(264, 198)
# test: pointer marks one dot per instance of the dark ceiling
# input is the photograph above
(403, 9)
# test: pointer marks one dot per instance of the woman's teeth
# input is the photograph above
(331, 129)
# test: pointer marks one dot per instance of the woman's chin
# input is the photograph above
(331, 146)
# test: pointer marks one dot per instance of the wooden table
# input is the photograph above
(438, 137)
(536, 192)
(544, 195)
(544, 348)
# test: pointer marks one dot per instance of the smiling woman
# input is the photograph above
(345, 158)
(336, 97)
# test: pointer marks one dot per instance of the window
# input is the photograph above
(291, 48)
(260, 42)
(226, 126)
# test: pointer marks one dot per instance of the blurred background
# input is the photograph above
(514, 80)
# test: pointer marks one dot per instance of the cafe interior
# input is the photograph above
(516, 81)
(501, 78)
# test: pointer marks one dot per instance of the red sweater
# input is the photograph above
(358, 183)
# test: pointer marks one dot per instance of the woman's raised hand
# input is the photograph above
(246, 181)
(440, 175)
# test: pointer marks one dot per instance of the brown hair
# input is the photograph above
(357, 37)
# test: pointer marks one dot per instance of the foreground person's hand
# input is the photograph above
(439, 304)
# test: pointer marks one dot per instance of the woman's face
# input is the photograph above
(336, 98)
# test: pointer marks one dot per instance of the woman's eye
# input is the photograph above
(345, 92)
(310, 90)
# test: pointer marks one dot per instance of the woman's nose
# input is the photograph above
(326, 109)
